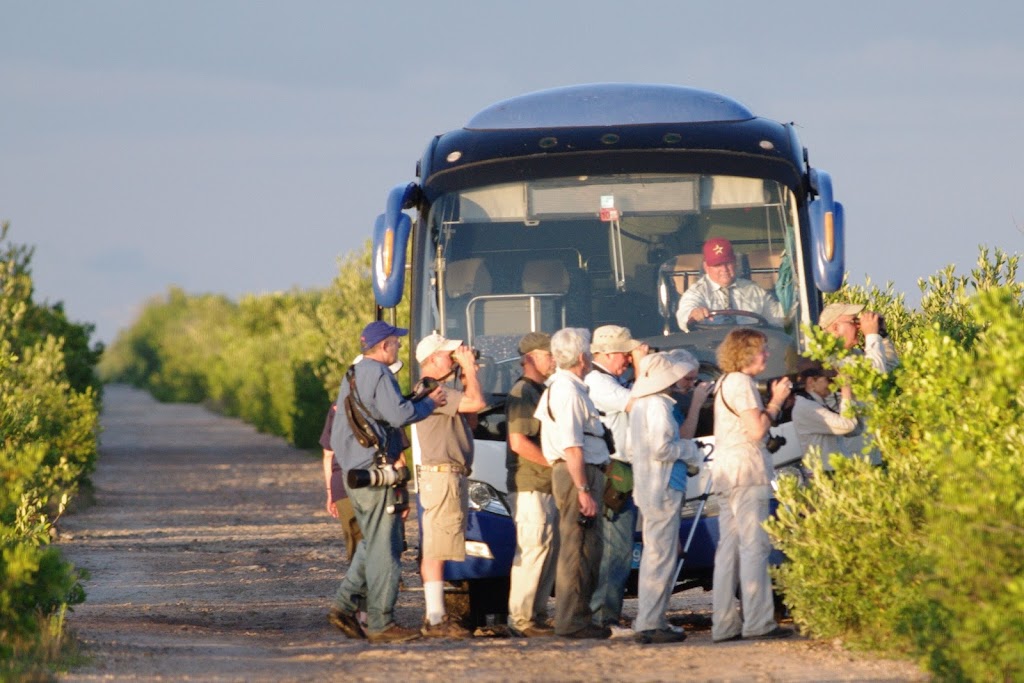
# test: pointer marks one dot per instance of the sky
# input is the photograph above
(243, 147)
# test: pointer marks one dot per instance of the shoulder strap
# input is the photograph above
(718, 390)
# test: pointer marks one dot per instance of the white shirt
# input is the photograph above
(654, 441)
(738, 460)
(742, 294)
(572, 420)
(610, 398)
(817, 425)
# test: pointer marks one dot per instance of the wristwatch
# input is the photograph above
(583, 489)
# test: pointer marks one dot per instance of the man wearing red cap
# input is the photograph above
(720, 289)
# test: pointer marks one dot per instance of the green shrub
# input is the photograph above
(923, 555)
(49, 411)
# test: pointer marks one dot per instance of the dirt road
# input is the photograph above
(212, 558)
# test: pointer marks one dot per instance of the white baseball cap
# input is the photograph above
(433, 343)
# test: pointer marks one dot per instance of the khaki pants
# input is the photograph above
(579, 551)
(741, 560)
(533, 569)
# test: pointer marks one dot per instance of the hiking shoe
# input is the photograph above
(347, 623)
(393, 634)
(533, 631)
(777, 632)
(590, 631)
(661, 635)
(446, 629)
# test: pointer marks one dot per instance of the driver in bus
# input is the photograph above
(720, 290)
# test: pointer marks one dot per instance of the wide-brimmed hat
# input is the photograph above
(834, 312)
(613, 339)
(433, 343)
(657, 372)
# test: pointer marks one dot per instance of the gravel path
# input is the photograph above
(212, 558)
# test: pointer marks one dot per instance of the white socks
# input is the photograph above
(433, 596)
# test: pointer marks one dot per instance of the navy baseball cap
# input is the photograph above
(378, 331)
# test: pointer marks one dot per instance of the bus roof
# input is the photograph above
(608, 104)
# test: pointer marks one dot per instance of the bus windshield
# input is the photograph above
(498, 261)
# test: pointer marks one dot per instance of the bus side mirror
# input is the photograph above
(390, 239)
(828, 252)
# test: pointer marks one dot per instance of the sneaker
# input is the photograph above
(446, 629)
(347, 623)
(393, 634)
(590, 631)
(533, 631)
(661, 635)
(777, 632)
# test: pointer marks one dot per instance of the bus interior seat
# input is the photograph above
(683, 270)
(467, 277)
(463, 280)
(764, 267)
(545, 276)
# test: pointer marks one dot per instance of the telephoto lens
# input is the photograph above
(357, 479)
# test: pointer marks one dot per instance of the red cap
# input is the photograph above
(717, 251)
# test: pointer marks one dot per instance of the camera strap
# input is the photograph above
(718, 391)
(366, 429)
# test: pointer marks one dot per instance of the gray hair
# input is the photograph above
(568, 344)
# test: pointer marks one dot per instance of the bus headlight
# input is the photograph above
(484, 497)
(792, 471)
(479, 549)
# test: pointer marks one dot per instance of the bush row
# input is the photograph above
(49, 409)
(273, 360)
(924, 555)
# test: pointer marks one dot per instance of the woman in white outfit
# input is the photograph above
(742, 474)
(654, 440)
(818, 425)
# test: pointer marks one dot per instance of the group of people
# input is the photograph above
(587, 453)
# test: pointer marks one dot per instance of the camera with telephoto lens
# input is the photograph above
(379, 476)
(775, 442)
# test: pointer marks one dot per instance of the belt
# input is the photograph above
(454, 469)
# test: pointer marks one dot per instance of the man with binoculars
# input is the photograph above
(367, 441)
(446, 454)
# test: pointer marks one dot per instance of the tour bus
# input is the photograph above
(588, 205)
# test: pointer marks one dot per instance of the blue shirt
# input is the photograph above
(378, 389)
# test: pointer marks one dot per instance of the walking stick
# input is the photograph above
(703, 498)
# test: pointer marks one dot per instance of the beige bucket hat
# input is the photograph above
(657, 372)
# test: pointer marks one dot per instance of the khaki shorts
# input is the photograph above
(444, 497)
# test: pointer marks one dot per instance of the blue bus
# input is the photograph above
(588, 205)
